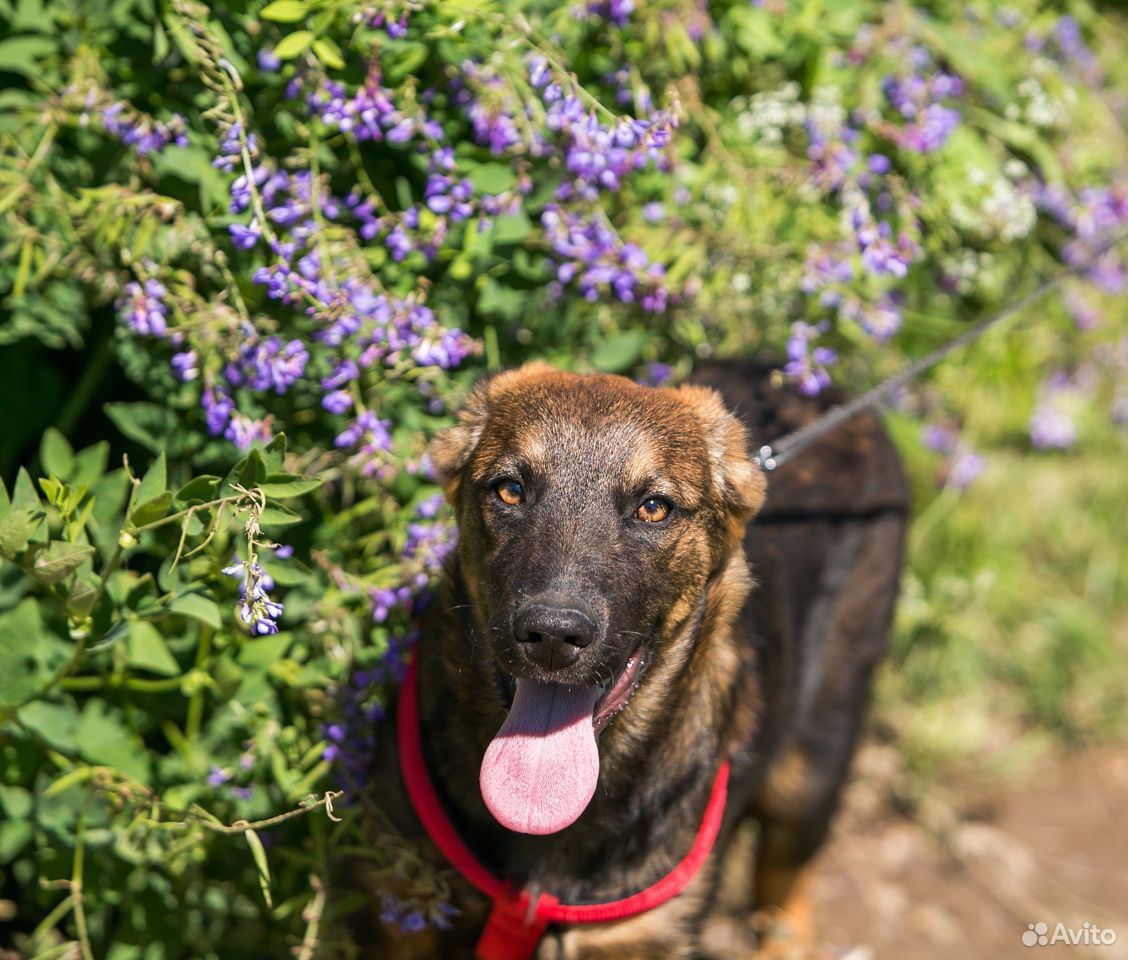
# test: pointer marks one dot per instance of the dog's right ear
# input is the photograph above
(450, 449)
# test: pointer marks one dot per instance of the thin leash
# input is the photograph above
(771, 457)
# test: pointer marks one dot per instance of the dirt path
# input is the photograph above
(989, 864)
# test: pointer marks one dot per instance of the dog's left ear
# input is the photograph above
(739, 483)
(450, 449)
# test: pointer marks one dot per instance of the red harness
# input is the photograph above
(519, 918)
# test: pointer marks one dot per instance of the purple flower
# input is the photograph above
(185, 365)
(143, 307)
(656, 374)
(338, 401)
(616, 12)
(805, 366)
(144, 134)
(246, 237)
(243, 431)
(217, 777)
(268, 364)
(916, 98)
(268, 62)
(1051, 428)
(218, 408)
(965, 468)
(257, 610)
(939, 438)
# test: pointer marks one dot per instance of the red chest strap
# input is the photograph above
(519, 918)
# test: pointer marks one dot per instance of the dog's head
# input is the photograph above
(592, 512)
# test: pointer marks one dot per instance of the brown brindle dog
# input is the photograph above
(598, 648)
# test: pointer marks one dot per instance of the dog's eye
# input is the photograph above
(510, 492)
(653, 510)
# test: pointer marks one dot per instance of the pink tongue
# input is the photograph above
(539, 772)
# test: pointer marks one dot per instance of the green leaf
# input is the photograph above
(403, 59)
(258, 854)
(16, 529)
(19, 54)
(152, 499)
(146, 650)
(102, 737)
(198, 490)
(57, 723)
(5, 502)
(21, 672)
(55, 454)
(278, 516)
(248, 472)
(512, 228)
(491, 177)
(198, 607)
(15, 835)
(24, 496)
(618, 352)
(327, 51)
(284, 11)
(283, 485)
(90, 463)
(148, 424)
(294, 45)
(155, 481)
(81, 597)
(51, 563)
(274, 454)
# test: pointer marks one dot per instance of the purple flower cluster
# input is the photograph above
(963, 464)
(144, 134)
(806, 364)
(1052, 425)
(656, 374)
(429, 545)
(414, 916)
(1093, 218)
(599, 263)
(231, 148)
(490, 107)
(395, 27)
(599, 155)
(917, 97)
(1065, 43)
(352, 739)
(143, 307)
(369, 113)
(267, 364)
(832, 153)
(256, 609)
(219, 777)
(615, 12)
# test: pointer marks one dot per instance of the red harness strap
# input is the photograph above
(519, 918)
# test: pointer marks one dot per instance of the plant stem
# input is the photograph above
(196, 704)
(76, 884)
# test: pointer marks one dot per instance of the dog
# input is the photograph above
(615, 642)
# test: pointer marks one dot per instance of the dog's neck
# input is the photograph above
(657, 758)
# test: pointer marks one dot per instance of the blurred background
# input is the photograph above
(253, 254)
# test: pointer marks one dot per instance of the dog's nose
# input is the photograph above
(553, 636)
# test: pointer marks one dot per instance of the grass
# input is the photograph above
(1012, 631)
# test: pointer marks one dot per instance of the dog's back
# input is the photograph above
(826, 552)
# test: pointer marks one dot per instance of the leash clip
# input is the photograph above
(766, 459)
